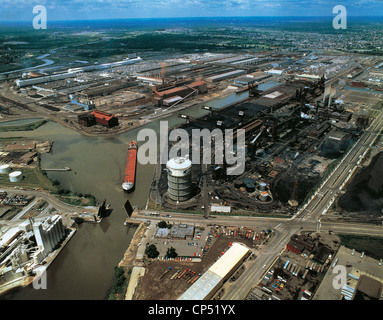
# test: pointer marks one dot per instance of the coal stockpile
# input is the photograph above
(331, 149)
(365, 192)
(291, 185)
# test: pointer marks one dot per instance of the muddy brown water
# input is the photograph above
(84, 269)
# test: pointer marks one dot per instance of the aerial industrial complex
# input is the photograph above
(276, 230)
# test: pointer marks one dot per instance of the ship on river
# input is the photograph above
(130, 168)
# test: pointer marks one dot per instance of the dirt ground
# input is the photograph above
(151, 287)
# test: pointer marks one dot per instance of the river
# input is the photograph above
(84, 269)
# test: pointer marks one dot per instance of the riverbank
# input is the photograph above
(137, 123)
(132, 262)
(22, 127)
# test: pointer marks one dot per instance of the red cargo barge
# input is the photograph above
(130, 168)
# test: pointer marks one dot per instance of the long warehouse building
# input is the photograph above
(225, 76)
(29, 82)
(209, 283)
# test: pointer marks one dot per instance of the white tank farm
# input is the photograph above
(15, 176)
(179, 178)
(5, 168)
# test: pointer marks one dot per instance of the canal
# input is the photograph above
(84, 269)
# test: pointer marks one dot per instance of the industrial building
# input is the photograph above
(49, 233)
(96, 67)
(299, 243)
(177, 232)
(86, 120)
(29, 82)
(246, 80)
(209, 283)
(225, 76)
(105, 119)
(179, 179)
(174, 94)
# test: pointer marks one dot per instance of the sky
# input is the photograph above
(21, 10)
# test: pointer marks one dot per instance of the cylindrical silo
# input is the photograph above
(179, 178)
(238, 183)
(15, 176)
(264, 196)
(262, 186)
(5, 168)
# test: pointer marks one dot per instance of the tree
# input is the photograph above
(162, 224)
(171, 253)
(151, 251)
(119, 280)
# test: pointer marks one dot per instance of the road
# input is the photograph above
(51, 199)
(308, 218)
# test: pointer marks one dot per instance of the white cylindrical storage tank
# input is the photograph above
(15, 176)
(264, 196)
(5, 168)
(262, 186)
(179, 178)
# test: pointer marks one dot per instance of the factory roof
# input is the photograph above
(227, 74)
(273, 95)
(172, 99)
(217, 272)
(170, 91)
(369, 286)
(182, 231)
(179, 163)
(102, 115)
(273, 71)
(245, 79)
(162, 233)
(196, 83)
(7, 237)
(336, 135)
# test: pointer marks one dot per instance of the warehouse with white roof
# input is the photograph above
(208, 284)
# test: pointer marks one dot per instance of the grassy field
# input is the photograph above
(32, 178)
(371, 246)
(23, 127)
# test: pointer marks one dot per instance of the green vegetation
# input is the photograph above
(371, 246)
(171, 253)
(32, 178)
(164, 224)
(70, 197)
(23, 127)
(78, 220)
(120, 283)
(151, 251)
(75, 199)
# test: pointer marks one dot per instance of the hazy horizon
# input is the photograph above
(80, 10)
